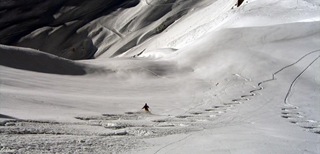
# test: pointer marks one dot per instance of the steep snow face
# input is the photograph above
(189, 28)
(88, 29)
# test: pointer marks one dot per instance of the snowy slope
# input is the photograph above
(218, 79)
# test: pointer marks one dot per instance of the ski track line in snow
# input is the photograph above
(289, 111)
(172, 143)
(227, 106)
(280, 70)
(296, 78)
(135, 123)
(218, 110)
(187, 122)
(37, 127)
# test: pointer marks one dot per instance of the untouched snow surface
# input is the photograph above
(218, 79)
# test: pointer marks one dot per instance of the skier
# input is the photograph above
(146, 107)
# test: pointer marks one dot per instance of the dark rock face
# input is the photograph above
(239, 2)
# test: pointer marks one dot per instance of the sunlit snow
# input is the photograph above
(218, 78)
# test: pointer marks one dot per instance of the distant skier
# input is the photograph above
(146, 107)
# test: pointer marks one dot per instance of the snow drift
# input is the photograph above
(32, 60)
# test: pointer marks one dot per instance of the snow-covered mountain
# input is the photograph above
(219, 77)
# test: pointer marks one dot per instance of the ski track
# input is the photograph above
(290, 111)
(145, 125)
(214, 112)
(172, 143)
(132, 124)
